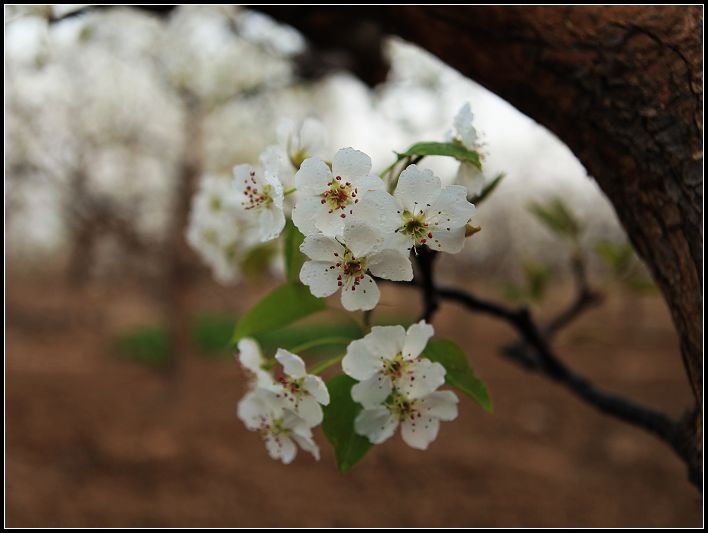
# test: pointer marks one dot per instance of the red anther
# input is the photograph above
(323, 201)
(423, 241)
(339, 178)
(339, 283)
(343, 215)
(430, 235)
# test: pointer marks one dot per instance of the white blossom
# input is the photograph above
(282, 429)
(465, 133)
(388, 359)
(419, 418)
(302, 392)
(343, 264)
(216, 230)
(421, 211)
(262, 200)
(325, 197)
(252, 360)
(301, 141)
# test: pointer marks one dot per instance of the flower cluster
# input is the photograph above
(284, 409)
(397, 386)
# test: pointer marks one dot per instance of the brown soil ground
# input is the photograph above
(95, 441)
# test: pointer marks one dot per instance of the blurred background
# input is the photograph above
(121, 388)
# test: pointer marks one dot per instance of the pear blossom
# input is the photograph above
(302, 392)
(420, 211)
(252, 360)
(343, 264)
(325, 197)
(303, 142)
(215, 229)
(467, 135)
(261, 195)
(419, 417)
(388, 359)
(283, 431)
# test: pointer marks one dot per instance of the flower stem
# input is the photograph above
(324, 365)
(320, 342)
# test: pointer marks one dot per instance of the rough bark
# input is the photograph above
(620, 85)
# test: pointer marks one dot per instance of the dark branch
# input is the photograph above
(547, 363)
(425, 259)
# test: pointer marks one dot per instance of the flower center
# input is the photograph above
(416, 227)
(215, 203)
(254, 197)
(352, 269)
(273, 426)
(402, 407)
(293, 386)
(339, 195)
(395, 367)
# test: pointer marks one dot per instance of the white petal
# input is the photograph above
(417, 188)
(368, 183)
(363, 297)
(420, 432)
(359, 362)
(350, 164)
(331, 224)
(439, 404)
(317, 388)
(309, 410)
(249, 354)
(272, 159)
(377, 424)
(385, 341)
(420, 379)
(417, 337)
(471, 177)
(449, 241)
(391, 264)
(361, 238)
(308, 445)
(373, 391)
(250, 409)
(313, 136)
(271, 222)
(281, 447)
(319, 277)
(293, 365)
(321, 248)
(380, 210)
(313, 176)
(304, 213)
(451, 208)
(464, 125)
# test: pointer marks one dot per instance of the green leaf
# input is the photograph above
(617, 256)
(558, 218)
(282, 306)
(459, 374)
(455, 150)
(537, 277)
(294, 258)
(338, 423)
(487, 190)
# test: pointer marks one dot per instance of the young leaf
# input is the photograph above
(537, 277)
(459, 374)
(457, 151)
(338, 423)
(294, 258)
(487, 190)
(282, 306)
(558, 218)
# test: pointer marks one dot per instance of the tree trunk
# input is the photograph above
(620, 85)
(177, 266)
